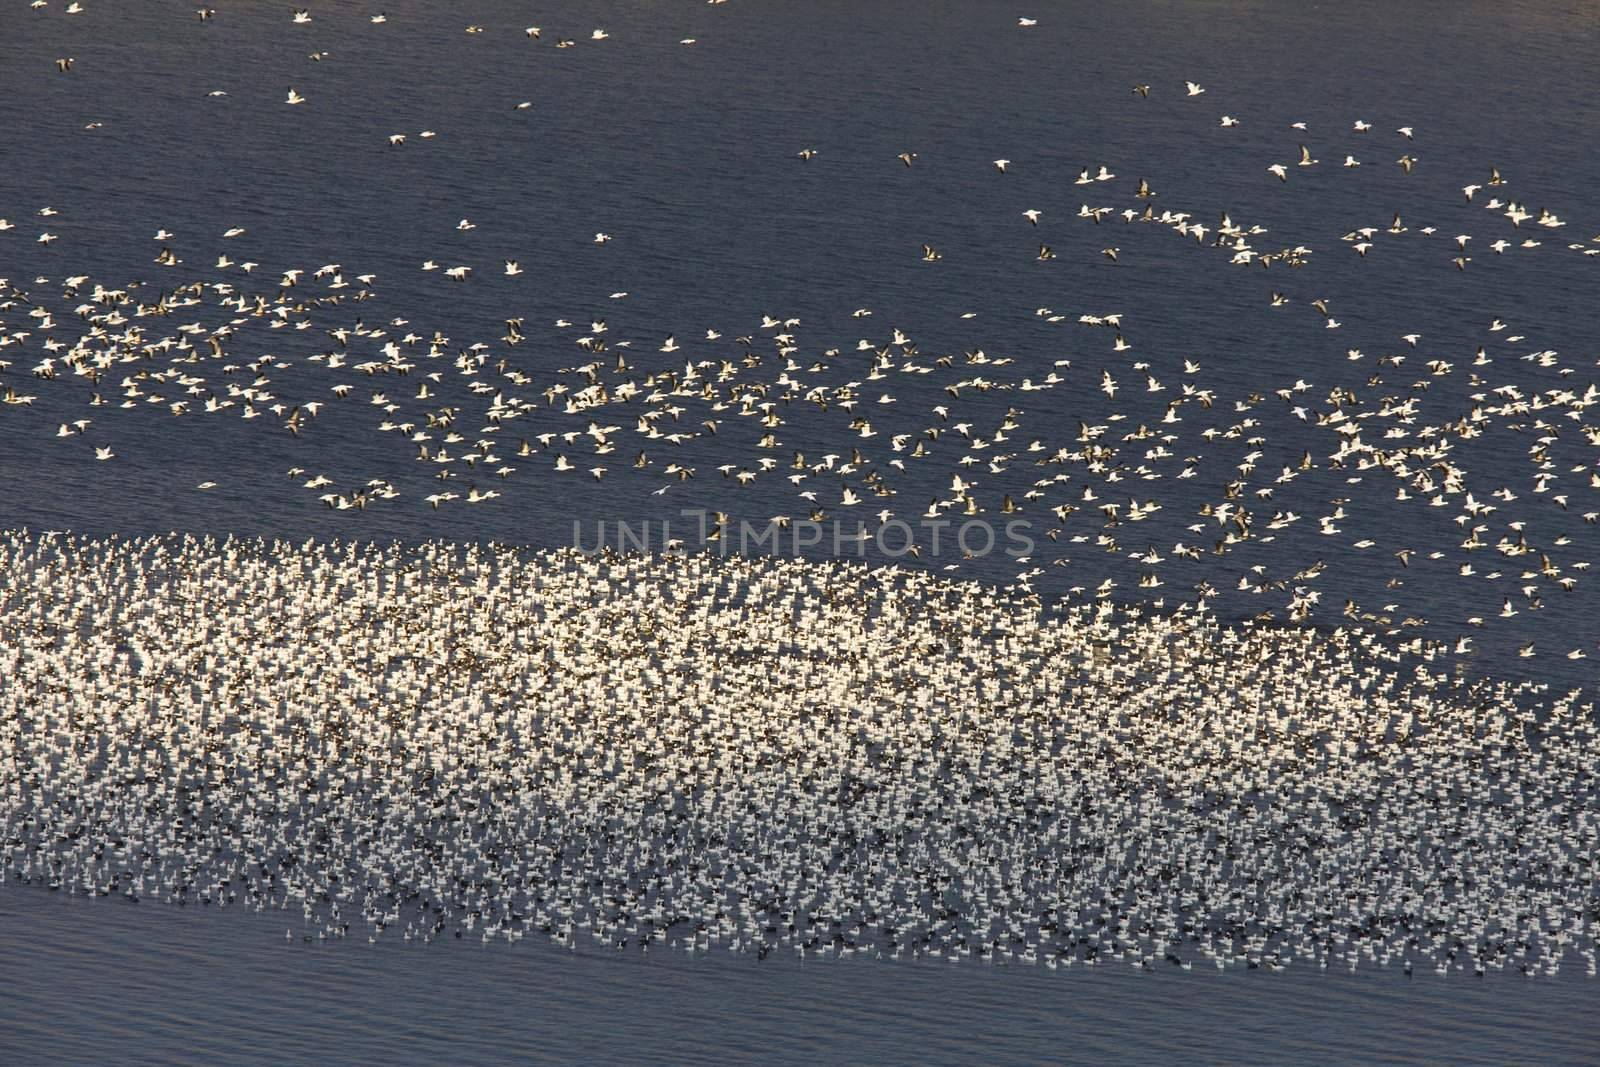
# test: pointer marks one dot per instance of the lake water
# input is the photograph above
(685, 154)
(169, 985)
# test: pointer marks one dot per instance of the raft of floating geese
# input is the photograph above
(822, 759)
(685, 753)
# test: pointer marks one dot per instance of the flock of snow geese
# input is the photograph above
(689, 751)
(819, 760)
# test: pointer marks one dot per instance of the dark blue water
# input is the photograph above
(686, 156)
(163, 985)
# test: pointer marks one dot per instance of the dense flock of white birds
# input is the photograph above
(682, 753)
(691, 753)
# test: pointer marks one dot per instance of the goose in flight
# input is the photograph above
(294, 97)
(1193, 88)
